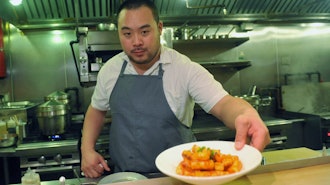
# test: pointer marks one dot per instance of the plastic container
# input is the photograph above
(3, 127)
(30, 178)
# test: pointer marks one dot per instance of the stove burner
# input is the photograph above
(50, 138)
(57, 137)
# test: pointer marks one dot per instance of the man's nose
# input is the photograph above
(137, 39)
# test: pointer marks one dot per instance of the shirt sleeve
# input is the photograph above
(204, 89)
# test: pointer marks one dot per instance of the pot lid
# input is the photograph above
(52, 105)
(58, 95)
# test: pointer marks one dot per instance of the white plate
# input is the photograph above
(168, 160)
(121, 177)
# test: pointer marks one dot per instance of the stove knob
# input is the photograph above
(58, 158)
(42, 159)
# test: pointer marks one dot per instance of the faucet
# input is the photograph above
(252, 90)
(254, 99)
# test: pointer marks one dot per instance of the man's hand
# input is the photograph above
(251, 130)
(93, 164)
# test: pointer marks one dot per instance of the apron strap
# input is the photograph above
(123, 67)
(161, 71)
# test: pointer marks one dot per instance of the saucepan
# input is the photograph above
(121, 177)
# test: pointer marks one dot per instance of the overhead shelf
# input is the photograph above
(238, 65)
(233, 41)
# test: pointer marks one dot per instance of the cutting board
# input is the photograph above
(278, 156)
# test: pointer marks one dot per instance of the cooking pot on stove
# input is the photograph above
(53, 117)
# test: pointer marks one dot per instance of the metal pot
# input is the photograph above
(53, 117)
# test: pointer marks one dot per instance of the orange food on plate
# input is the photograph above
(204, 162)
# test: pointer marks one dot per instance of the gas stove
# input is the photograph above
(52, 156)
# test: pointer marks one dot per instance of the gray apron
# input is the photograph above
(143, 125)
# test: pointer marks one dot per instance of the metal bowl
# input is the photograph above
(7, 140)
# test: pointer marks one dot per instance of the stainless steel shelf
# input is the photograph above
(232, 41)
(238, 65)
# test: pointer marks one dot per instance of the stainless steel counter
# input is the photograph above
(203, 128)
(291, 159)
(70, 182)
(211, 126)
(8, 151)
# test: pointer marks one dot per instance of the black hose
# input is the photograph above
(75, 59)
(76, 91)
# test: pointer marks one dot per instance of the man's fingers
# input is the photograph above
(104, 165)
(241, 133)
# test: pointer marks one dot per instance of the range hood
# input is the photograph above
(63, 13)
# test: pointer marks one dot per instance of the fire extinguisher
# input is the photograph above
(2, 53)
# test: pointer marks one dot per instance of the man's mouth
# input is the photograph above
(138, 51)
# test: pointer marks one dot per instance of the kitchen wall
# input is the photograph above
(40, 61)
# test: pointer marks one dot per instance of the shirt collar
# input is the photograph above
(164, 56)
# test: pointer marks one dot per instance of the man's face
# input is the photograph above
(139, 35)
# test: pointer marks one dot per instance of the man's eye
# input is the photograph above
(145, 32)
(127, 34)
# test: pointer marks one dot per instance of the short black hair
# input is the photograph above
(134, 4)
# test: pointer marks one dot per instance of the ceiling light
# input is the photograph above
(15, 2)
(224, 10)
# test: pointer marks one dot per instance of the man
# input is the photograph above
(151, 91)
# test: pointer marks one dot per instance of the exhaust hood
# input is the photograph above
(67, 13)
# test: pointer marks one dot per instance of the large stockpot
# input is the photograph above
(53, 117)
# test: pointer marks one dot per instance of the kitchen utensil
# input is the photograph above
(168, 160)
(80, 181)
(121, 177)
(7, 140)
